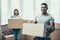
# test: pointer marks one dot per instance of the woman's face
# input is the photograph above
(16, 12)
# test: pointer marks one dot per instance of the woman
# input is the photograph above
(16, 31)
(16, 14)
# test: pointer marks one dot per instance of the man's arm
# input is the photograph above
(51, 29)
(52, 25)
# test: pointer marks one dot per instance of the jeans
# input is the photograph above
(17, 33)
(42, 38)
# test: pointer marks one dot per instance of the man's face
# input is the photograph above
(43, 8)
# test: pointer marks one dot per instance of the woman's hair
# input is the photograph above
(17, 11)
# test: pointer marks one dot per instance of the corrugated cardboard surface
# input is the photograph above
(33, 29)
(28, 21)
(55, 35)
(11, 24)
(27, 37)
(9, 37)
(57, 26)
(15, 23)
(25, 21)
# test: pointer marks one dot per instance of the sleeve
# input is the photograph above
(11, 16)
(51, 19)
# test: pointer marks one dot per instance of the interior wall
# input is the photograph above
(0, 12)
(4, 12)
(28, 9)
(55, 10)
(0, 22)
(7, 8)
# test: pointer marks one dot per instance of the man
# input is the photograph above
(47, 20)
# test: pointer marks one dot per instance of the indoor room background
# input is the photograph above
(28, 9)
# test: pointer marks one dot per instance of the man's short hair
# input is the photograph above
(44, 4)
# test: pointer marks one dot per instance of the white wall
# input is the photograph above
(0, 22)
(55, 10)
(38, 6)
(4, 12)
(0, 12)
(13, 4)
(28, 9)
(7, 8)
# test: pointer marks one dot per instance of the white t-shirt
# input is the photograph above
(16, 17)
(44, 19)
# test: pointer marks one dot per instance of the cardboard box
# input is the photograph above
(28, 21)
(15, 23)
(33, 29)
(25, 21)
(9, 37)
(57, 26)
